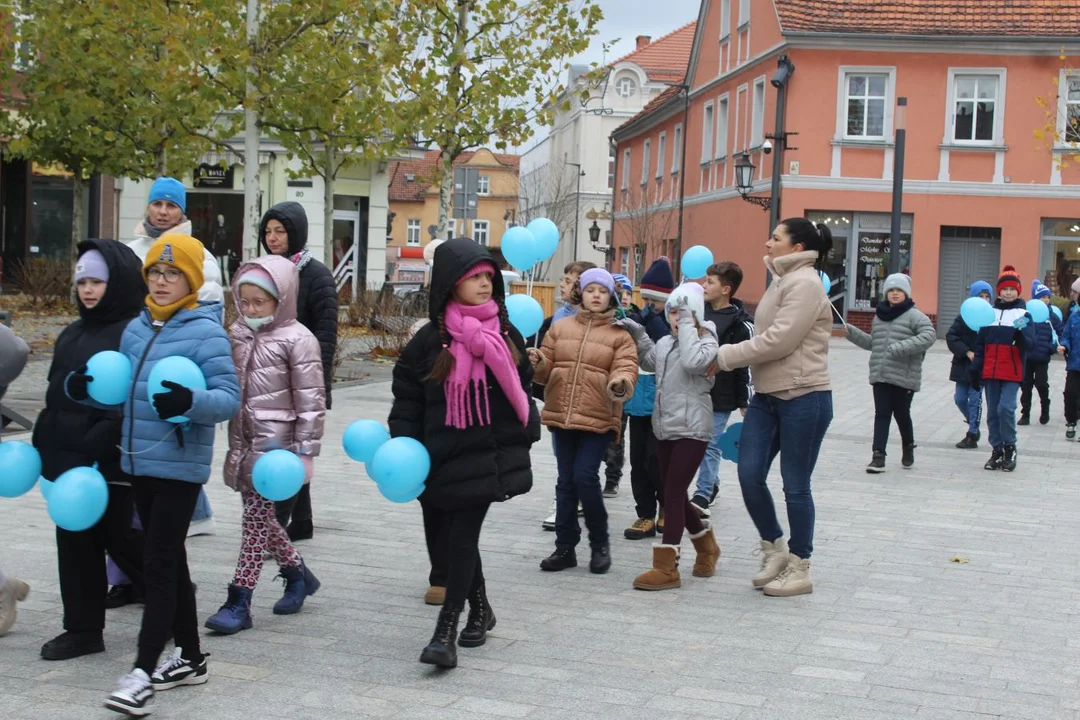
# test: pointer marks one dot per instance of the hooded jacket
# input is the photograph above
(1001, 348)
(1043, 346)
(211, 290)
(656, 327)
(279, 370)
(316, 298)
(1070, 340)
(70, 434)
(897, 348)
(480, 463)
(733, 324)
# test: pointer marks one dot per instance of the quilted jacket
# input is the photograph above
(897, 348)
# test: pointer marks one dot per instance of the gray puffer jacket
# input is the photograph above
(683, 408)
(897, 348)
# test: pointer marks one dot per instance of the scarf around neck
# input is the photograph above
(888, 312)
(479, 345)
(162, 313)
(154, 233)
(300, 259)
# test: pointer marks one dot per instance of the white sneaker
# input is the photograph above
(549, 521)
(206, 526)
(175, 671)
(133, 695)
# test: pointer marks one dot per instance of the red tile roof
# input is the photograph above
(423, 173)
(947, 18)
(665, 59)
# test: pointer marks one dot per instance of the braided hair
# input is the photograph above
(444, 361)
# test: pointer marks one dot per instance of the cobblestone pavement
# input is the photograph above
(894, 629)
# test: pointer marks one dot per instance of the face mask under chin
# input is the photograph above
(257, 324)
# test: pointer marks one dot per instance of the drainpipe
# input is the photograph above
(677, 260)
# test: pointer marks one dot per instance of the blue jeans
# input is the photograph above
(709, 472)
(794, 429)
(969, 401)
(1001, 411)
(202, 507)
(578, 454)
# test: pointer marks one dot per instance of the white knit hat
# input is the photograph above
(695, 297)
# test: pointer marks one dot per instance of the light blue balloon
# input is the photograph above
(525, 314)
(46, 487)
(696, 262)
(976, 313)
(729, 442)
(400, 468)
(21, 466)
(1038, 310)
(278, 475)
(112, 377)
(78, 499)
(546, 235)
(519, 248)
(363, 438)
(1057, 311)
(826, 281)
(177, 369)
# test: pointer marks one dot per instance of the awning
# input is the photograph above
(411, 252)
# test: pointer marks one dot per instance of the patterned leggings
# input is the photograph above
(261, 532)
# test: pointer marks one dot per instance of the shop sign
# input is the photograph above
(212, 176)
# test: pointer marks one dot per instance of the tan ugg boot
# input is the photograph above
(435, 595)
(792, 580)
(774, 558)
(708, 552)
(11, 592)
(665, 570)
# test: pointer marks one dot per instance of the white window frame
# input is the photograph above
(998, 139)
(486, 242)
(612, 157)
(744, 13)
(646, 152)
(620, 83)
(741, 94)
(676, 150)
(412, 225)
(842, 102)
(483, 185)
(627, 156)
(661, 154)
(757, 113)
(624, 262)
(1062, 140)
(723, 125)
(707, 130)
(725, 20)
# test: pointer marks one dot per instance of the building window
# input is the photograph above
(707, 134)
(744, 12)
(975, 108)
(624, 262)
(412, 232)
(725, 19)
(483, 185)
(625, 87)
(676, 151)
(866, 105)
(626, 169)
(722, 119)
(1068, 129)
(661, 154)
(645, 161)
(480, 232)
(611, 169)
(1060, 257)
(757, 128)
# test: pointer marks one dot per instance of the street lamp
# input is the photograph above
(594, 236)
(744, 179)
(577, 204)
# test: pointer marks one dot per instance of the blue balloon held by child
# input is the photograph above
(1039, 311)
(1057, 311)
(278, 475)
(362, 438)
(400, 468)
(826, 281)
(696, 262)
(179, 370)
(21, 465)
(546, 237)
(519, 247)
(525, 314)
(78, 498)
(729, 442)
(112, 377)
(976, 313)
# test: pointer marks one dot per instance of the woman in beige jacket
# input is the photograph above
(792, 405)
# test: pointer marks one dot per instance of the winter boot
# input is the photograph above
(12, 592)
(660, 522)
(234, 615)
(1070, 432)
(600, 562)
(481, 620)
(970, 442)
(70, 645)
(1008, 462)
(708, 552)
(792, 580)
(1025, 418)
(561, 559)
(994, 463)
(435, 595)
(641, 529)
(299, 584)
(300, 530)
(1044, 415)
(665, 570)
(908, 458)
(442, 650)
(774, 558)
(877, 463)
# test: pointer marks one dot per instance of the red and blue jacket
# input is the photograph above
(1002, 346)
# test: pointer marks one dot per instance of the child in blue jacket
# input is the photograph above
(1070, 347)
(1037, 364)
(169, 462)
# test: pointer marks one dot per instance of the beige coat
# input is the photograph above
(789, 353)
(583, 357)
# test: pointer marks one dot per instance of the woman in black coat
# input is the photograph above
(284, 231)
(473, 463)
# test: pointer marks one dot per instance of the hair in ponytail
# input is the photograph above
(812, 236)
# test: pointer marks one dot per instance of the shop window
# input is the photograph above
(1060, 257)
(836, 261)
(873, 248)
(218, 219)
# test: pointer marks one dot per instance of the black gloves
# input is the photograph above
(174, 403)
(76, 385)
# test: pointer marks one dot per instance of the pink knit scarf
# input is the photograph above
(478, 344)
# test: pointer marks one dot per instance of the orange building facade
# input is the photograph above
(982, 79)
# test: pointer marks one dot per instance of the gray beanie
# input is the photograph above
(897, 281)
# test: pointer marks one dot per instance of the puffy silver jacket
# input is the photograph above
(683, 408)
(897, 348)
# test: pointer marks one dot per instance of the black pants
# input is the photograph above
(1035, 375)
(297, 508)
(1072, 396)
(80, 556)
(892, 401)
(165, 508)
(437, 537)
(615, 457)
(465, 573)
(645, 479)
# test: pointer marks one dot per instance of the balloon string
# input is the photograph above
(837, 314)
(140, 452)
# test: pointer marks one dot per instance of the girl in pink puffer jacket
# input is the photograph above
(282, 406)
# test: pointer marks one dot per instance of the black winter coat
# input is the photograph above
(960, 339)
(317, 298)
(70, 434)
(482, 463)
(731, 391)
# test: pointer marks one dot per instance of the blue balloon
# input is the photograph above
(400, 468)
(525, 314)
(729, 442)
(46, 488)
(696, 262)
(112, 377)
(278, 475)
(21, 465)
(78, 499)
(519, 247)
(1056, 310)
(546, 235)
(976, 313)
(177, 369)
(363, 438)
(826, 281)
(1039, 311)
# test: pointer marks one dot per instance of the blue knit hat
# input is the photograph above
(623, 282)
(171, 189)
(658, 282)
(1038, 290)
(980, 286)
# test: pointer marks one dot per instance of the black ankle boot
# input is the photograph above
(1025, 419)
(1044, 416)
(561, 559)
(994, 463)
(1008, 461)
(442, 650)
(970, 442)
(481, 619)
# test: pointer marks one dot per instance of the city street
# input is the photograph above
(943, 591)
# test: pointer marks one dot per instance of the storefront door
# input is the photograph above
(217, 220)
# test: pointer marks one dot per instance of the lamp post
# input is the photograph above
(744, 180)
(577, 204)
(898, 185)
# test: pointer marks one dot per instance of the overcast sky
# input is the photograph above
(626, 19)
